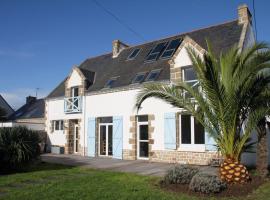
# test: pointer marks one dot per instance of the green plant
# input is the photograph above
(18, 146)
(180, 174)
(225, 103)
(206, 183)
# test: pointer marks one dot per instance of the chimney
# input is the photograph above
(244, 15)
(118, 46)
(30, 99)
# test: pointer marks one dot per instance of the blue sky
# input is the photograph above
(40, 41)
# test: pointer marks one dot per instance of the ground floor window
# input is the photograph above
(58, 125)
(192, 132)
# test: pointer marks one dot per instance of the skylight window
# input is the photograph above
(110, 83)
(153, 75)
(139, 78)
(155, 52)
(171, 48)
(133, 54)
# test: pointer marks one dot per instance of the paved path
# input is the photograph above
(135, 166)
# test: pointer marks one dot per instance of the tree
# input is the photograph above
(223, 102)
(262, 148)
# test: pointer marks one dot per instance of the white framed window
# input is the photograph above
(74, 91)
(192, 134)
(58, 125)
(189, 76)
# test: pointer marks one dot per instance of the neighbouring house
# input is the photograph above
(6, 107)
(31, 115)
(91, 112)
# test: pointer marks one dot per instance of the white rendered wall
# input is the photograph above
(74, 80)
(122, 104)
(55, 111)
(32, 126)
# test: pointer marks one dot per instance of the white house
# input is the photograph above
(91, 113)
(30, 115)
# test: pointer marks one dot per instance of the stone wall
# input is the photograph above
(184, 157)
(69, 131)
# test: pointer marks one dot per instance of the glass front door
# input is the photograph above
(143, 140)
(105, 139)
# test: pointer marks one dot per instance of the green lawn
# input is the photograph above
(47, 181)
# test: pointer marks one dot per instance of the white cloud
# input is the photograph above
(16, 98)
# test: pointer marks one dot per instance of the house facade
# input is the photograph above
(91, 112)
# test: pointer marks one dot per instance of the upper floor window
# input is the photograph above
(153, 75)
(133, 54)
(74, 91)
(110, 83)
(171, 48)
(58, 125)
(139, 77)
(189, 76)
(156, 51)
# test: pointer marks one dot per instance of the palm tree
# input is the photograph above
(262, 148)
(223, 104)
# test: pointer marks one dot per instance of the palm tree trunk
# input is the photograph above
(262, 153)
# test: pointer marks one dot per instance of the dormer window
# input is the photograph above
(189, 76)
(74, 91)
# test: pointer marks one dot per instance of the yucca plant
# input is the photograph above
(224, 101)
(18, 146)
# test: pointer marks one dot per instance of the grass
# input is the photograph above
(50, 181)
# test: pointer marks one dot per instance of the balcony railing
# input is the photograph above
(73, 104)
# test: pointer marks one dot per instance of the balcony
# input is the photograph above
(73, 104)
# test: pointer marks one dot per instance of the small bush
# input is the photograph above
(180, 174)
(18, 146)
(206, 183)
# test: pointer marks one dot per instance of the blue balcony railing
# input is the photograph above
(73, 104)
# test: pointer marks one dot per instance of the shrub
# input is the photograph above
(206, 183)
(18, 146)
(180, 174)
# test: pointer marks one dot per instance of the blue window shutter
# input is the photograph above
(169, 131)
(91, 139)
(210, 143)
(117, 137)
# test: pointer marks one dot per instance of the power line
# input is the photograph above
(254, 16)
(119, 20)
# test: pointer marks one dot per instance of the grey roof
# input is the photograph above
(30, 110)
(4, 104)
(222, 37)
